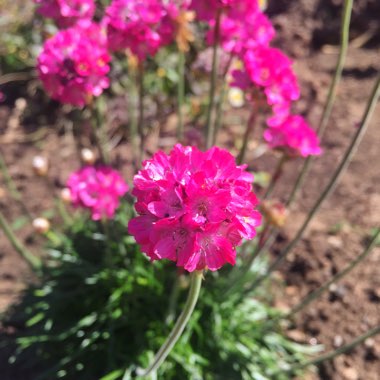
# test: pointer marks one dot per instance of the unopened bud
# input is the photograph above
(274, 212)
(41, 225)
(88, 156)
(66, 195)
(236, 97)
(40, 166)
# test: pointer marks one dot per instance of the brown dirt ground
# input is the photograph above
(335, 236)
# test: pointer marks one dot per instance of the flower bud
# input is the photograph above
(274, 212)
(41, 225)
(40, 166)
(236, 97)
(66, 195)
(88, 156)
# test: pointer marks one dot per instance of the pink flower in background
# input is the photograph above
(268, 70)
(194, 207)
(74, 63)
(239, 34)
(66, 12)
(294, 136)
(97, 189)
(141, 26)
(207, 10)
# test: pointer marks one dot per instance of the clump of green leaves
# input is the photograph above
(101, 308)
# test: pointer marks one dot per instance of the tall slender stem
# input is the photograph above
(221, 100)
(248, 132)
(337, 352)
(98, 109)
(214, 76)
(140, 85)
(12, 188)
(331, 185)
(195, 286)
(33, 261)
(346, 18)
(276, 175)
(316, 293)
(181, 93)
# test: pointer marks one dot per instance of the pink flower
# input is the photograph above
(97, 189)
(74, 63)
(268, 70)
(66, 12)
(239, 34)
(194, 207)
(294, 136)
(207, 10)
(141, 26)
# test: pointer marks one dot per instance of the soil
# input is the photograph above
(308, 32)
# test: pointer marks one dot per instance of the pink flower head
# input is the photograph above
(66, 12)
(194, 207)
(268, 70)
(74, 63)
(242, 33)
(97, 189)
(207, 10)
(294, 136)
(141, 26)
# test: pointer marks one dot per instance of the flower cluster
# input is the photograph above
(74, 63)
(141, 26)
(97, 189)
(194, 207)
(265, 73)
(66, 12)
(294, 136)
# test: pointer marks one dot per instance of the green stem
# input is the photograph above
(15, 194)
(331, 185)
(181, 93)
(221, 100)
(140, 85)
(133, 119)
(276, 175)
(173, 301)
(98, 109)
(33, 261)
(346, 18)
(316, 293)
(214, 75)
(335, 353)
(195, 286)
(248, 132)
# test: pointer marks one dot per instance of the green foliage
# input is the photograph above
(100, 308)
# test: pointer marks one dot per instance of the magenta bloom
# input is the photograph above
(194, 207)
(140, 26)
(294, 136)
(66, 12)
(246, 31)
(74, 63)
(207, 10)
(97, 189)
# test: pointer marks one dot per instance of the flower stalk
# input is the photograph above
(276, 175)
(331, 185)
(210, 126)
(338, 276)
(248, 132)
(33, 261)
(181, 93)
(341, 350)
(346, 18)
(164, 351)
(140, 86)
